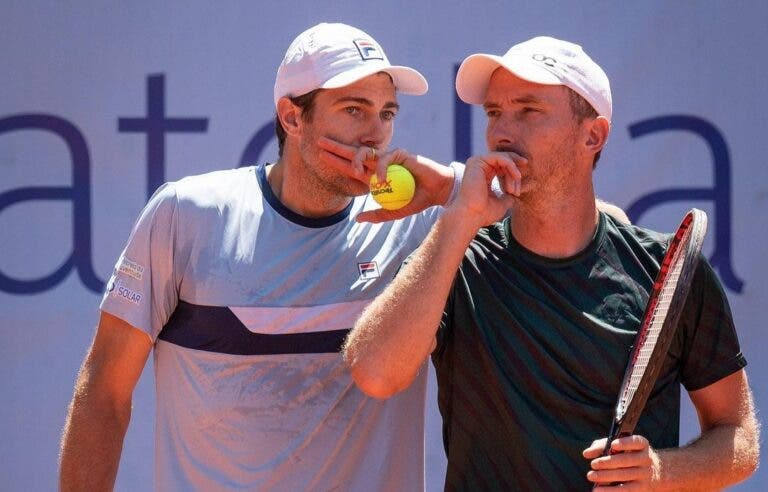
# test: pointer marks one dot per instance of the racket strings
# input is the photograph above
(663, 295)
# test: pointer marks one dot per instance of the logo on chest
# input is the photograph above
(368, 270)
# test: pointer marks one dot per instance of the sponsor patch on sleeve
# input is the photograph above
(117, 289)
(131, 268)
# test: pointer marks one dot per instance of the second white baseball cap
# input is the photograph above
(541, 60)
(329, 56)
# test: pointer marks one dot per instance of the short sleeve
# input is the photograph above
(445, 327)
(711, 348)
(143, 289)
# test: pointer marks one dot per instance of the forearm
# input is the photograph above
(92, 443)
(721, 456)
(396, 333)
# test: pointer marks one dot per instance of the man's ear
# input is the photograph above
(290, 116)
(597, 134)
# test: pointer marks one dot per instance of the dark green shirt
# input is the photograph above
(531, 353)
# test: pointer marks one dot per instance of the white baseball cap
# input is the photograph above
(328, 56)
(541, 60)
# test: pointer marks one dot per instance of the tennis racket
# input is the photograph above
(662, 313)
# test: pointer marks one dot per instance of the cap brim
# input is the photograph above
(475, 72)
(406, 79)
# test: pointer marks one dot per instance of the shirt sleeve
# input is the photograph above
(711, 348)
(445, 327)
(143, 289)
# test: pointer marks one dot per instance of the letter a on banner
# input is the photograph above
(720, 193)
(79, 193)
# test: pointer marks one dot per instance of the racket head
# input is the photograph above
(662, 313)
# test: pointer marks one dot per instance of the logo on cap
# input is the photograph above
(368, 50)
(546, 60)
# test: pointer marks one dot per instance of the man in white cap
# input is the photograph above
(530, 338)
(245, 282)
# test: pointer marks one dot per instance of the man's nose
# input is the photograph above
(377, 133)
(501, 133)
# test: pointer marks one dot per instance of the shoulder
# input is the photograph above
(487, 242)
(215, 187)
(613, 210)
(211, 193)
(618, 231)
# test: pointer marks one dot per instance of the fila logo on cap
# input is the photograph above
(368, 50)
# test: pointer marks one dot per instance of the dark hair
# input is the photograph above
(582, 110)
(305, 102)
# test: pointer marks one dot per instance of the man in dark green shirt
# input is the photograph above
(530, 337)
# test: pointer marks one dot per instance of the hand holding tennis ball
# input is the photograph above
(397, 191)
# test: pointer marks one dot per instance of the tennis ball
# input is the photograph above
(397, 191)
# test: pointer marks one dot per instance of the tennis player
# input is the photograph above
(529, 321)
(245, 282)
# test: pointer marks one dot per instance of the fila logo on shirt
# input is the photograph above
(368, 50)
(368, 270)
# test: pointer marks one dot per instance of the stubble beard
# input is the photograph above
(326, 185)
(550, 178)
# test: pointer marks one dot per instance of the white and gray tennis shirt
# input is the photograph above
(248, 305)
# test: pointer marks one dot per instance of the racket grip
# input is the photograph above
(614, 433)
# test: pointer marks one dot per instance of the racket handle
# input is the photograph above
(614, 433)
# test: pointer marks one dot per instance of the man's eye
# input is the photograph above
(388, 115)
(492, 113)
(352, 110)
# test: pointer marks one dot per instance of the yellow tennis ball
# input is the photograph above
(397, 191)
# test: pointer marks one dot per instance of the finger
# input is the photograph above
(509, 184)
(629, 443)
(369, 154)
(484, 164)
(342, 165)
(381, 166)
(624, 475)
(629, 459)
(625, 487)
(365, 160)
(397, 156)
(511, 169)
(512, 156)
(506, 158)
(345, 154)
(336, 147)
(419, 202)
(506, 169)
(380, 215)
